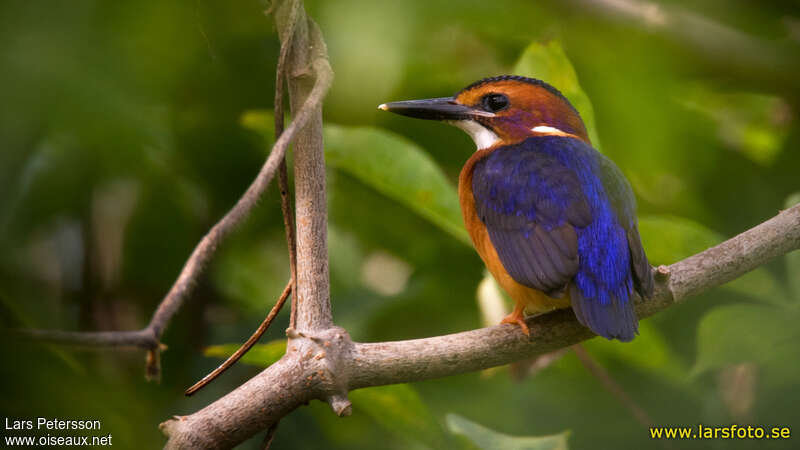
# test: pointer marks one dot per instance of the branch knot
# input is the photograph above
(325, 355)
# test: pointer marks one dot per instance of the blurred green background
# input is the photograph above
(128, 128)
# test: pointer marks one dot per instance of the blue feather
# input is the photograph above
(536, 197)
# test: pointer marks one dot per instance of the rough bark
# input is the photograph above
(326, 363)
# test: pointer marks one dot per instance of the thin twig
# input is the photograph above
(531, 366)
(246, 346)
(208, 245)
(615, 389)
(267, 442)
(303, 375)
(283, 176)
(322, 363)
(236, 215)
(756, 58)
(143, 338)
(610, 385)
(153, 364)
(288, 222)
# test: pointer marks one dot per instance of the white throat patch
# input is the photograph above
(483, 137)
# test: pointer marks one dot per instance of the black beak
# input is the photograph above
(444, 108)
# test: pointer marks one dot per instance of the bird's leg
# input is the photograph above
(518, 317)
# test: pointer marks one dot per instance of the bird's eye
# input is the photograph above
(494, 102)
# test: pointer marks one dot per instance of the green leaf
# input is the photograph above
(250, 271)
(399, 169)
(793, 258)
(16, 314)
(668, 239)
(549, 63)
(399, 409)
(761, 285)
(262, 355)
(260, 121)
(753, 124)
(403, 171)
(491, 440)
(387, 162)
(346, 257)
(650, 351)
(740, 333)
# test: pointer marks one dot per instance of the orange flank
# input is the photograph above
(548, 214)
(527, 299)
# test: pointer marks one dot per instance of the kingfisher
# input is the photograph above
(553, 219)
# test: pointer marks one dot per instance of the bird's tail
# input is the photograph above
(613, 320)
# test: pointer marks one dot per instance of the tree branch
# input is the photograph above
(149, 337)
(313, 308)
(321, 364)
(283, 176)
(143, 338)
(610, 385)
(205, 430)
(756, 58)
(247, 345)
(240, 211)
(321, 361)
(420, 359)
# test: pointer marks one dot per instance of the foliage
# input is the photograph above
(389, 163)
(127, 131)
(741, 333)
(549, 62)
(488, 439)
(259, 355)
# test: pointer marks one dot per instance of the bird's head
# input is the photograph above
(500, 110)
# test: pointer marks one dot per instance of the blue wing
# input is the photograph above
(562, 216)
(531, 205)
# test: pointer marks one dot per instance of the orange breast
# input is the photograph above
(535, 300)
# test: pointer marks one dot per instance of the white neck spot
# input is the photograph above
(546, 129)
(483, 137)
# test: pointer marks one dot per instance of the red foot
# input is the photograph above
(518, 317)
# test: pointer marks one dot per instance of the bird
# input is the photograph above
(552, 218)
